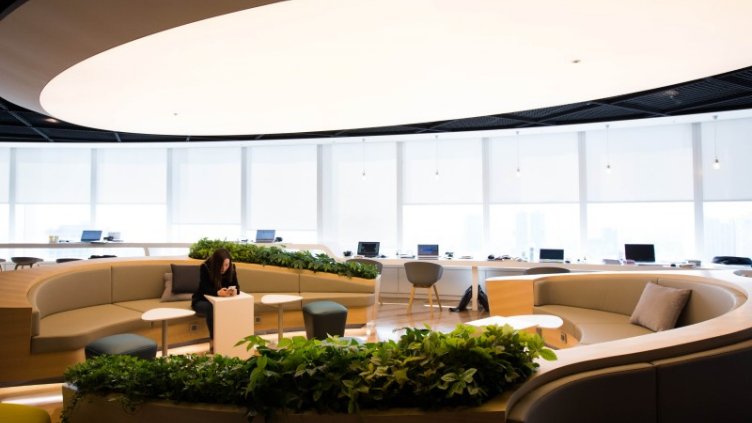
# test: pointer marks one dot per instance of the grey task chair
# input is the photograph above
(543, 270)
(378, 265)
(423, 274)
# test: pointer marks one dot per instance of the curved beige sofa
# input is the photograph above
(50, 313)
(619, 372)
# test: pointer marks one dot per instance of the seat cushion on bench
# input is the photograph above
(344, 298)
(73, 329)
(593, 326)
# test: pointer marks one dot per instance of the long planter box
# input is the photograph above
(109, 409)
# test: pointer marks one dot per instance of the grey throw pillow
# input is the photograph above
(167, 294)
(659, 307)
(185, 278)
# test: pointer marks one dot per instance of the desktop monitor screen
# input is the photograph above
(265, 235)
(89, 236)
(428, 249)
(551, 254)
(640, 252)
(368, 249)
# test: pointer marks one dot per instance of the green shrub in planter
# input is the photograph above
(424, 369)
(275, 256)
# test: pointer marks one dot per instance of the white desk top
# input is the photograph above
(279, 299)
(166, 314)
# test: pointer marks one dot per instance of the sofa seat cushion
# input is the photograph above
(73, 329)
(143, 306)
(593, 326)
(344, 298)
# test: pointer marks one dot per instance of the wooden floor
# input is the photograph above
(390, 318)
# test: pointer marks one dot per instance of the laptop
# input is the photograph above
(368, 249)
(640, 253)
(428, 251)
(91, 236)
(550, 255)
(265, 235)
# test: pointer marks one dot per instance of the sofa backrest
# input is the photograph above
(256, 278)
(605, 292)
(138, 280)
(69, 291)
(619, 293)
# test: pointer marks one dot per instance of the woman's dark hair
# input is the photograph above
(214, 263)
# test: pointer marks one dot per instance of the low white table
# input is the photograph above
(165, 314)
(233, 321)
(523, 321)
(278, 300)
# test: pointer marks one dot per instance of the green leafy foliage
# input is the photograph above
(275, 256)
(425, 369)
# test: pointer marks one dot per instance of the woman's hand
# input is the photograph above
(226, 292)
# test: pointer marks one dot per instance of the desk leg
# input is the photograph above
(474, 300)
(279, 323)
(164, 338)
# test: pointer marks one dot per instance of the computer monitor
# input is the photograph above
(89, 236)
(265, 235)
(640, 253)
(428, 250)
(368, 249)
(551, 255)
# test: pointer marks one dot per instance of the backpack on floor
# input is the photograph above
(467, 296)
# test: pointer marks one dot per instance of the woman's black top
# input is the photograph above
(206, 285)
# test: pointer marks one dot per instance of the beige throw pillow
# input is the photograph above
(168, 295)
(659, 307)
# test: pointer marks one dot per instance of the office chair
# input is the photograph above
(2, 260)
(423, 274)
(543, 270)
(378, 265)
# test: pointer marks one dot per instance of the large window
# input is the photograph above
(283, 191)
(132, 193)
(4, 194)
(537, 208)
(206, 193)
(444, 209)
(53, 189)
(361, 200)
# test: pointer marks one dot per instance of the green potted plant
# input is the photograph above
(275, 256)
(424, 370)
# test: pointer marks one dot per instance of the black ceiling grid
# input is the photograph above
(728, 91)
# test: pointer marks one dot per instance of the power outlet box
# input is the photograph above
(193, 327)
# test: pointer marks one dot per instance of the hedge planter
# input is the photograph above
(425, 373)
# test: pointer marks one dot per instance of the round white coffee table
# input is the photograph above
(277, 300)
(165, 314)
(543, 321)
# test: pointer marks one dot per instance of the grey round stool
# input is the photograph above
(324, 318)
(25, 261)
(122, 344)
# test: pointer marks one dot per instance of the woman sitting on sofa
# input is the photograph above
(218, 278)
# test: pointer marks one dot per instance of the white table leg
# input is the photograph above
(164, 338)
(279, 324)
(474, 298)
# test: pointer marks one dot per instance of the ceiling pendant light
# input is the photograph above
(363, 158)
(608, 155)
(716, 162)
(517, 139)
(436, 155)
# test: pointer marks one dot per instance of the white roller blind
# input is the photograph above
(459, 163)
(4, 174)
(733, 144)
(132, 176)
(548, 169)
(206, 185)
(53, 176)
(283, 187)
(364, 208)
(648, 164)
